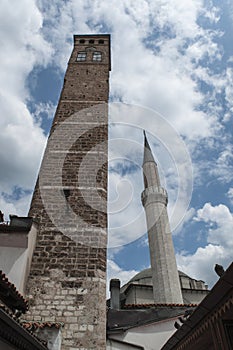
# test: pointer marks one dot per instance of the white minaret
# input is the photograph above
(166, 284)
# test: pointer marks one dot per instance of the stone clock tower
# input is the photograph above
(165, 278)
(67, 277)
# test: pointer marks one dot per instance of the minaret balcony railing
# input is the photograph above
(159, 194)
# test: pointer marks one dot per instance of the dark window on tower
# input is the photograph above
(97, 56)
(91, 41)
(81, 41)
(101, 41)
(81, 56)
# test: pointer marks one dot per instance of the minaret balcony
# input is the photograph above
(154, 194)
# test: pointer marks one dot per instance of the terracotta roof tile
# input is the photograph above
(21, 324)
(148, 306)
(10, 296)
(35, 325)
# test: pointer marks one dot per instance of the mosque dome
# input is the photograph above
(138, 290)
(146, 275)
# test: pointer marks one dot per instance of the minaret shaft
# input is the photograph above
(166, 285)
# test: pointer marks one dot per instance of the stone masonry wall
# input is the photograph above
(67, 277)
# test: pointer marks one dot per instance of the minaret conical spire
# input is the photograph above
(150, 169)
(148, 156)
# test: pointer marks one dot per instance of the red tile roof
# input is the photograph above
(10, 296)
(148, 306)
(35, 325)
(21, 325)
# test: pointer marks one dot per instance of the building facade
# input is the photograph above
(210, 326)
(67, 275)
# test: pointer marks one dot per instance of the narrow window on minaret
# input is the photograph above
(145, 181)
(97, 56)
(81, 56)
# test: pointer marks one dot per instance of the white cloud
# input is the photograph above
(200, 265)
(213, 160)
(139, 74)
(230, 194)
(229, 88)
(223, 165)
(22, 45)
(115, 271)
(221, 219)
(44, 110)
(19, 206)
(21, 139)
(21, 145)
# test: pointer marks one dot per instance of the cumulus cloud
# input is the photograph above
(229, 89)
(230, 194)
(115, 271)
(11, 204)
(221, 219)
(21, 139)
(219, 223)
(21, 145)
(224, 165)
(161, 40)
(43, 110)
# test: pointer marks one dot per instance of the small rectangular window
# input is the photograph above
(81, 56)
(97, 56)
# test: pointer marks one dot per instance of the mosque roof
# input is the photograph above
(147, 273)
(130, 316)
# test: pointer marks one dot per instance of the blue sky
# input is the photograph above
(171, 59)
